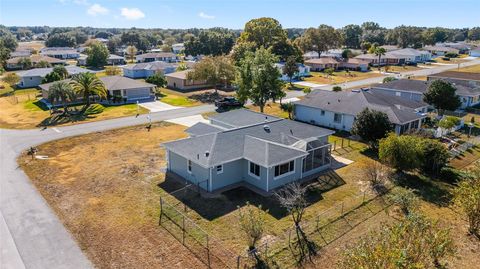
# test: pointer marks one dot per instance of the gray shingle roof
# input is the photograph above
(398, 110)
(419, 86)
(41, 72)
(202, 128)
(458, 75)
(158, 65)
(155, 55)
(264, 146)
(242, 117)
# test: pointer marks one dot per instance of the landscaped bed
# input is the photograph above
(109, 201)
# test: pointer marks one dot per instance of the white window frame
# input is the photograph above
(221, 169)
(252, 174)
(189, 166)
(286, 174)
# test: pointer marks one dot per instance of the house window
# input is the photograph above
(284, 169)
(254, 170)
(219, 169)
(337, 118)
(322, 112)
(124, 92)
(189, 166)
(117, 93)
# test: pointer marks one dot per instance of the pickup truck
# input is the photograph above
(228, 102)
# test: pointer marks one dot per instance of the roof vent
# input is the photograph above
(207, 154)
(338, 100)
(198, 156)
(266, 128)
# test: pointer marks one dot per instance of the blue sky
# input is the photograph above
(234, 13)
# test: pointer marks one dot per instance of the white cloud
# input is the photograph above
(206, 16)
(97, 9)
(132, 13)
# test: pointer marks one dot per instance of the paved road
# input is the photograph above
(31, 236)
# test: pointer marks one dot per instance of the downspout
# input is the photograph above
(210, 179)
(268, 169)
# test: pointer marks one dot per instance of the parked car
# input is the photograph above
(228, 102)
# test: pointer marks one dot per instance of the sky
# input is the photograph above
(235, 13)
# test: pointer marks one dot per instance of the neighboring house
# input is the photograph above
(60, 52)
(156, 56)
(465, 78)
(440, 50)
(415, 89)
(126, 90)
(390, 47)
(319, 64)
(21, 53)
(460, 46)
(178, 48)
(249, 149)
(475, 52)
(338, 110)
(33, 77)
(111, 60)
(397, 57)
(12, 63)
(303, 71)
(144, 70)
(179, 81)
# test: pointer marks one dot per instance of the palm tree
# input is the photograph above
(61, 91)
(87, 84)
(379, 51)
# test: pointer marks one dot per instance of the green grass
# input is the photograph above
(177, 100)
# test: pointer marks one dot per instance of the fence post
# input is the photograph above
(342, 143)
(334, 145)
(208, 253)
(342, 207)
(161, 212)
(348, 142)
(183, 230)
(238, 261)
(364, 192)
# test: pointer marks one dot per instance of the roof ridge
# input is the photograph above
(275, 143)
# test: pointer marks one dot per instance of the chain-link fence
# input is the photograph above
(325, 228)
(205, 247)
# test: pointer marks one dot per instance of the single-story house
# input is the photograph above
(179, 81)
(462, 47)
(144, 70)
(13, 63)
(397, 57)
(414, 90)
(124, 89)
(319, 64)
(466, 78)
(303, 71)
(60, 52)
(338, 110)
(249, 149)
(390, 47)
(440, 50)
(21, 53)
(33, 77)
(111, 60)
(156, 56)
(178, 48)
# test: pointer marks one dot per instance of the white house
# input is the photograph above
(33, 77)
(178, 48)
(303, 71)
(338, 110)
(60, 52)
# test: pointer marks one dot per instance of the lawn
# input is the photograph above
(271, 109)
(452, 60)
(406, 68)
(109, 201)
(24, 111)
(340, 77)
(473, 69)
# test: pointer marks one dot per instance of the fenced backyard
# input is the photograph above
(323, 229)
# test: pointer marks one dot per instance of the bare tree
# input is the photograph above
(252, 224)
(375, 174)
(292, 198)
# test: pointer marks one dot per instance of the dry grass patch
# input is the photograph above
(340, 77)
(24, 111)
(473, 69)
(271, 109)
(101, 186)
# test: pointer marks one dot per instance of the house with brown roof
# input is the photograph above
(179, 81)
(156, 56)
(13, 63)
(322, 63)
(440, 50)
(60, 52)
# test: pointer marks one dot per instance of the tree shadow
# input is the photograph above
(74, 116)
(431, 191)
(228, 201)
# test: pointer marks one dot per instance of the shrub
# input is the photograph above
(401, 152)
(337, 89)
(307, 90)
(467, 196)
(405, 199)
(451, 55)
(157, 79)
(389, 79)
